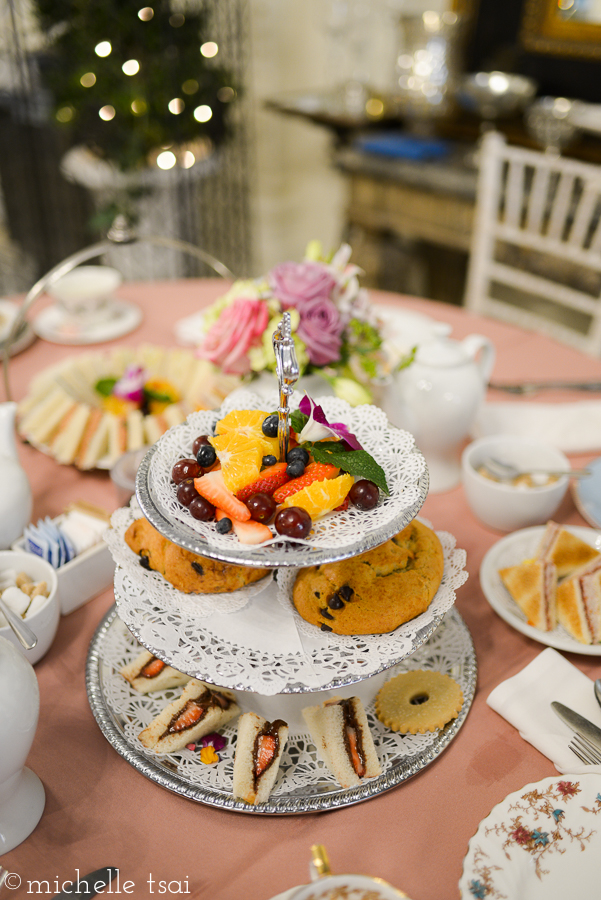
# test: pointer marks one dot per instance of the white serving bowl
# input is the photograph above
(506, 507)
(44, 622)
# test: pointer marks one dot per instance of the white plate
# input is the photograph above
(54, 326)
(587, 494)
(542, 842)
(510, 551)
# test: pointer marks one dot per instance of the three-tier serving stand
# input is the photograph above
(255, 643)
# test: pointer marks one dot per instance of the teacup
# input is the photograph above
(85, 293)
(351, 887)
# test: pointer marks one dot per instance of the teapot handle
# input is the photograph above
(475, 344)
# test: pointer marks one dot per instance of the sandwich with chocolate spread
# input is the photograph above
(341, 735)
(258, 753)
(201, 709)
(148, 673)
(533, 586)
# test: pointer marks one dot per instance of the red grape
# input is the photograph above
(200, 440)
(364, 494)
(262, 507)
(294, 521)
(185, 468)
(201, 509)
(186, 492)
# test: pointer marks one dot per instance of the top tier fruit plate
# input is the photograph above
(315, 523)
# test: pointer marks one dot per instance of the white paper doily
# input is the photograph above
(304, 783)
(262, 649)
(335, 536)
(159, 593)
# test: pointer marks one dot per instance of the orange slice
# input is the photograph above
(248, 422)
(240, 457)
(321, 497)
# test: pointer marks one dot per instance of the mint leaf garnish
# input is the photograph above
(105, 386)
(298, 420)
(356, 462)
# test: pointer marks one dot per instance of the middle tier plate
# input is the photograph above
(259, 647)
(339, 535)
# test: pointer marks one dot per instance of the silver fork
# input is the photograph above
(585, 751)
(3, 874)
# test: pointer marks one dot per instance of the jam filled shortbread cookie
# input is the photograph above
(419, 701)
(258, 753)
(186, 571)
(376, 591)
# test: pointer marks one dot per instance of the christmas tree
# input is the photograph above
(130, 81)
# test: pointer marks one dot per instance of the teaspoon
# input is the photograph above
(506, 471)
(23, 632)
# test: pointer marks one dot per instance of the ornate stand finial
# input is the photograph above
(287, 373)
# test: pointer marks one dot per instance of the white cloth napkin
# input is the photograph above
(525, 701)
(571, 427)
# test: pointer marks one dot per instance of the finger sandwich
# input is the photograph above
(148, 673)
(258, 753)
(565, 549)
(199, 710)
(579, 603)
(533, 585)
(342, 738)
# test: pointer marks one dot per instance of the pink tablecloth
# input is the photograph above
(100, 811)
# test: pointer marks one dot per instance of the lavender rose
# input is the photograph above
(320, 328)
(296, 283)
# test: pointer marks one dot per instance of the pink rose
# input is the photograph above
(320, 329)
(294, 284)
(238, 328)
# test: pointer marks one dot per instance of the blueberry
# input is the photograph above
(298, 453)
(224, 526)
(295, 468)
(270, 426)
(206, 456)
(268, 460)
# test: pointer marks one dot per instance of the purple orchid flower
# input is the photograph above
(318, 427)
(215, 740)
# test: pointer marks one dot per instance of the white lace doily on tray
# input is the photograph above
(260, 648)
(161, 594)
(304, 783)
(336, 536)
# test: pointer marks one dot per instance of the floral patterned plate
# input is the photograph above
(542, 842)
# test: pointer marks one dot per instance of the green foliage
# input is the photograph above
(167, 48)
(356, 462)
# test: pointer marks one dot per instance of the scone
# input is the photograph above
(258, 752)
(342, 738)
(199, 710)
(377, 591)
(186, 571)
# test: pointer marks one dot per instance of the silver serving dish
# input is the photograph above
(304, 784)
(549, 122)
(495, 95)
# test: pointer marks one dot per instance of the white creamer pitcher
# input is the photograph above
(15, 493)
(438, 398)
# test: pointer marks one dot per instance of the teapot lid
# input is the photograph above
(441, 351)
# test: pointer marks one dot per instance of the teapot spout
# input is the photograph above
(8, 444)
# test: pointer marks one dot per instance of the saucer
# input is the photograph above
(53, 325)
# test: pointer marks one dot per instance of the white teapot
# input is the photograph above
(438, 397)
(22, 796)
(15, 493)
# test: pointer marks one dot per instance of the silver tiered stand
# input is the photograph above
(304, 784)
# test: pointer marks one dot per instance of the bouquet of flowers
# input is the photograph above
(335, 330)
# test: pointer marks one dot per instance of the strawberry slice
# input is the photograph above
(269, 481)
(152, 668)
(314, 472)
(265, 752)
(249, 532)
(213, 489)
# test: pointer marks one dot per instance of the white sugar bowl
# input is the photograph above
(22, 796)
(44, 621)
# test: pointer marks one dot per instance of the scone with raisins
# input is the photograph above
(377, 591)
(186, 571)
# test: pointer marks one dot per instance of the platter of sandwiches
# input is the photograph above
(76, 412)
(546, 582)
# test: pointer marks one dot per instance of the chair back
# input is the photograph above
(536, 245)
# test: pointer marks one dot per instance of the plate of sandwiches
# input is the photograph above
(546, 582)
(90, 409)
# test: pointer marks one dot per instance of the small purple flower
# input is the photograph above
(318, 427)
(215, 740)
